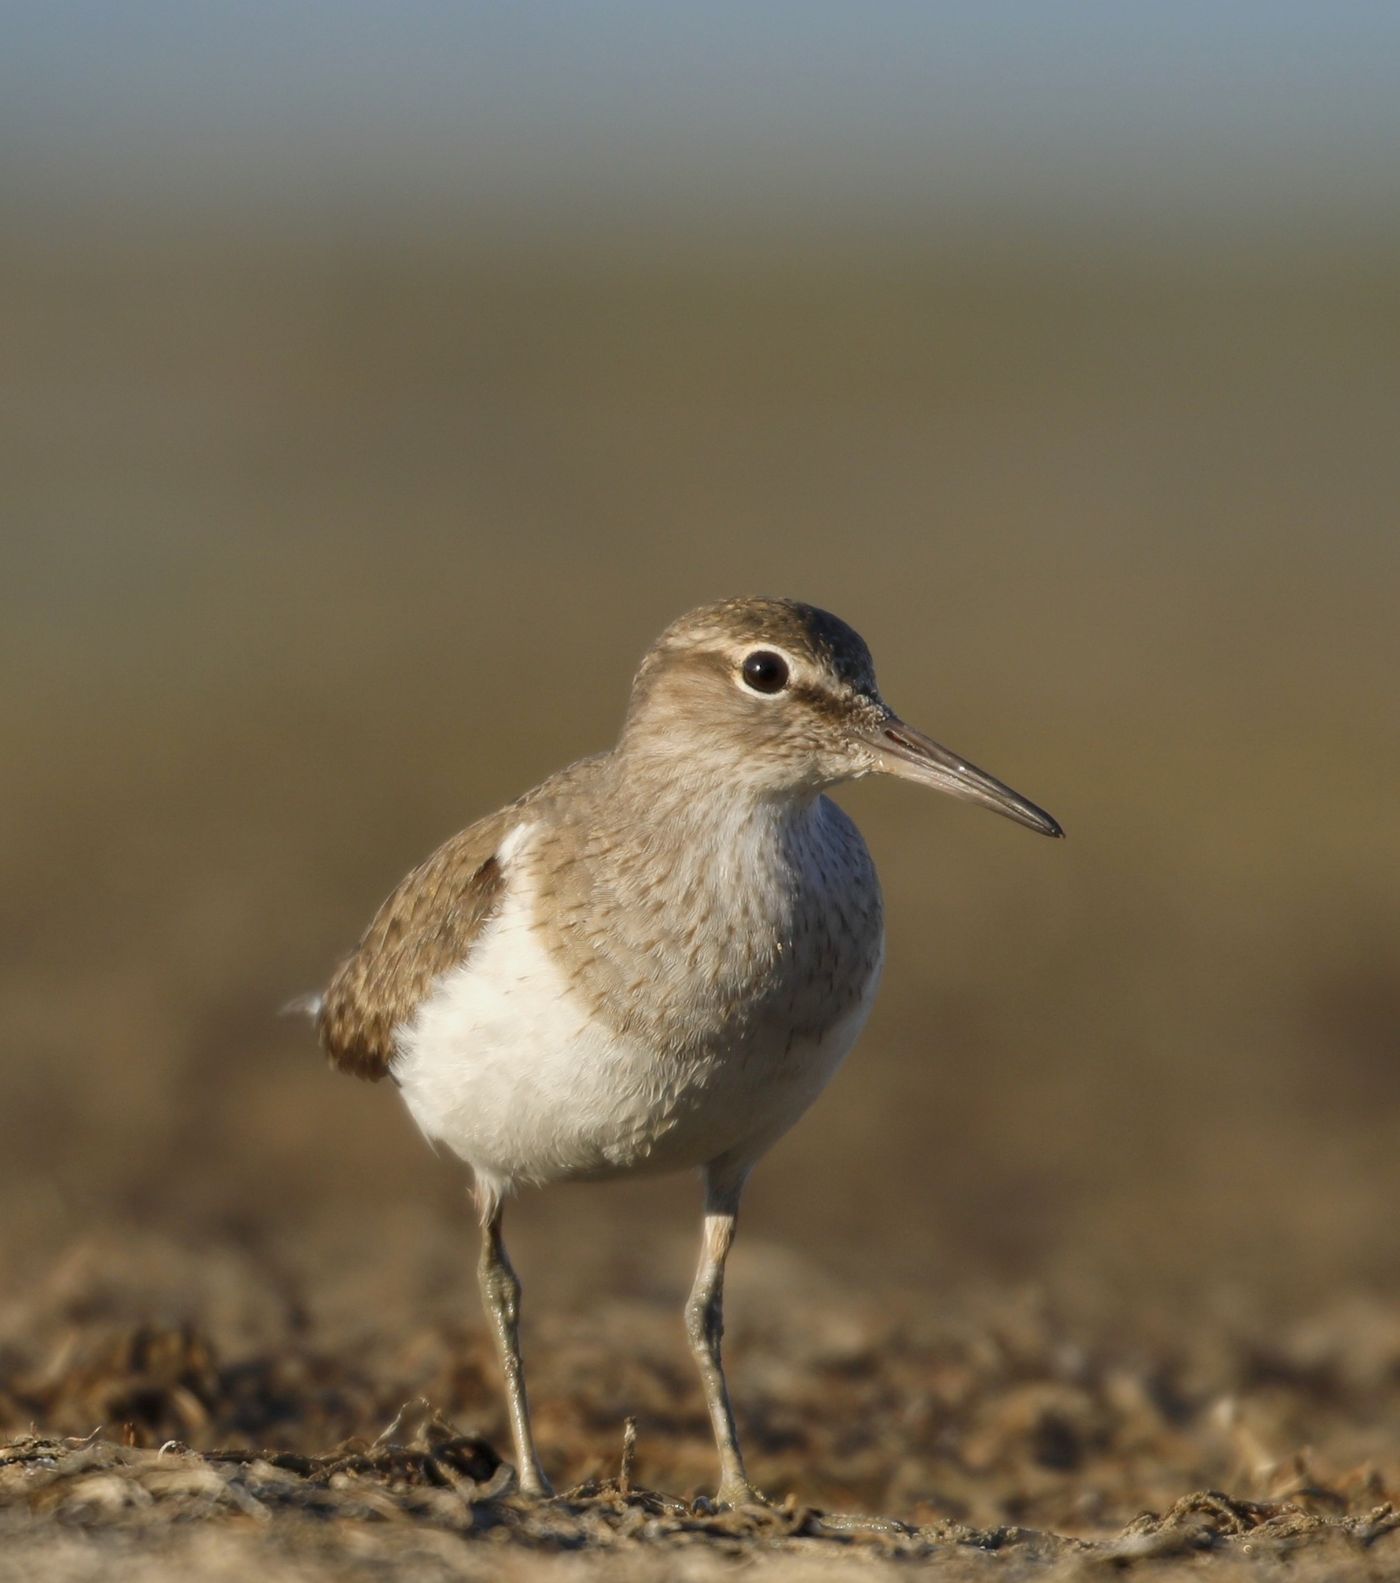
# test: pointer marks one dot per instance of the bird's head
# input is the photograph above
(779, 698)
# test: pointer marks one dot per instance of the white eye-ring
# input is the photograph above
(764, 671)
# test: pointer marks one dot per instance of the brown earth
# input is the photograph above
(204, 1409)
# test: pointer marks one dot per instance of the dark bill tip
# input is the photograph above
(911, 755)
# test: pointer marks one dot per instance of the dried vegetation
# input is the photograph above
(1040, 1437)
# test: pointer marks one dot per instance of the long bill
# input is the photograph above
(912, 756)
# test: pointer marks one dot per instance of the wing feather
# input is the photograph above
(427, 926)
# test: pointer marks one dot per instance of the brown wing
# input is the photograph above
(426, 927)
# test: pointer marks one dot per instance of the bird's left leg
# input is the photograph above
(500, 1292)
(704, 1326)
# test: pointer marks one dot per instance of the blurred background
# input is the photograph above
(379, 380)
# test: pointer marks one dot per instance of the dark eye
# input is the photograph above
(765, 671)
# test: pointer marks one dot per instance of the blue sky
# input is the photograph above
(1161, 108)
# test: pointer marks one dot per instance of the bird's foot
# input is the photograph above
(531, 1484)
(737, 1492)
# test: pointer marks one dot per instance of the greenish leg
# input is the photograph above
(704, 1327)
(500, 1293)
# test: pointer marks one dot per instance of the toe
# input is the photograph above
(532, 1485)
(734, 1493)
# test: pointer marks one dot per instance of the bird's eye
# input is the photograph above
(765, 671)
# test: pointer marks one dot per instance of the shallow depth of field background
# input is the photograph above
(374, 394)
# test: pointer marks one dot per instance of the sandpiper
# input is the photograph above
(656, 959)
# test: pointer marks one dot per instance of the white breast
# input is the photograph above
(508, 1068)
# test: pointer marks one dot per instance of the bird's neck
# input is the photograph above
(693, 802)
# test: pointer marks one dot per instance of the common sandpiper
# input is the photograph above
(655, 960)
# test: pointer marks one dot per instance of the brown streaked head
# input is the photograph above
(780, 698)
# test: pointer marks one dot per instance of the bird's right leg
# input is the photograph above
(704, 1325)
(500, 1293)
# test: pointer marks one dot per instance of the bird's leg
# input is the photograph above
(704, 1326)
(500, 1293)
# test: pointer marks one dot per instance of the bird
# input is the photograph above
(656, 959)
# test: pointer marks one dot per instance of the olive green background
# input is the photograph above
(321, 542)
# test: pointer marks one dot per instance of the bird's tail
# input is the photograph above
(304, 1006)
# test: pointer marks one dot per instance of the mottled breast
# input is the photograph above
(731, 921)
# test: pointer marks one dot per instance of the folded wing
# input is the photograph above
(426, 927)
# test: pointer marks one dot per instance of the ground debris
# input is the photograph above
(184, 1408)
(439, 1483)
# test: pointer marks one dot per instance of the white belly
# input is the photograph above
(511, 1071)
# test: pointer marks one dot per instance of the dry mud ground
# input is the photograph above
(1005, 1434)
